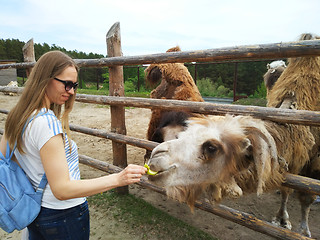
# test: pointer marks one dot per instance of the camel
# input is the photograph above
(227, 156)
(299, 87)
(275, 69)
(175, 83)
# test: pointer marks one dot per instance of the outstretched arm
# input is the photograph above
(56, 168)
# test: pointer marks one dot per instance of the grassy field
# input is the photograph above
(141, 218)
(106, 92)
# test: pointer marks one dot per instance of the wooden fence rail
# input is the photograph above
(261, 51)
(304, 117)
(136, 142)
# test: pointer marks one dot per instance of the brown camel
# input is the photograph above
(175, 83)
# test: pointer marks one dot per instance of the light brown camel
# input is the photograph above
(299, 87)
(226, 156)
(175, 83)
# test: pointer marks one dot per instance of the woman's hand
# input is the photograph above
(131, 174)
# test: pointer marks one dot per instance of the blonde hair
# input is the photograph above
(32, 99)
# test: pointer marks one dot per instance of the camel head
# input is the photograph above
(154, 71)
(173, 81)
(212, 156)
(275, 69)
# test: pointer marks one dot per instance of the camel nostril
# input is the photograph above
(158, 152)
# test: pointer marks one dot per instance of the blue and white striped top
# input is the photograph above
(43, 127)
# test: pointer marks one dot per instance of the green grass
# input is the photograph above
(262, 102)
(138, 94)
(93, 91)
(106, 92)
(150, 221)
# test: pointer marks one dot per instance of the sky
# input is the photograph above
(153, 26)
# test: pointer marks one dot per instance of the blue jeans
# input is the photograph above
(67, 224)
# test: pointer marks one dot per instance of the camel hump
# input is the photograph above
(174, 49)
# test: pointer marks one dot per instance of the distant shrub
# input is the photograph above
(261, 91)
(129, 86)
(209, 89)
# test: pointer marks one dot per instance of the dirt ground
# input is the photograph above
(97, 116)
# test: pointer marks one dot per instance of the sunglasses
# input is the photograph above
(68, 84)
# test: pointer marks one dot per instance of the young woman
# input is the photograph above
(45, 147)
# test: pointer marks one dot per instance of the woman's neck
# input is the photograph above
(46, 102)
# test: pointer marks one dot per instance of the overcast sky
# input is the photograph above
(153, 26)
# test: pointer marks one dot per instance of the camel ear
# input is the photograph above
(154, 76)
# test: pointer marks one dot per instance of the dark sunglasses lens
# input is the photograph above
(70, 85)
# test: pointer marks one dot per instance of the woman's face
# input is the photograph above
(56, 92)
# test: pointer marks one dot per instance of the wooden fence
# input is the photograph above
(117, 102)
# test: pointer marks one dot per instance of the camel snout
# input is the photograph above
(162, 148)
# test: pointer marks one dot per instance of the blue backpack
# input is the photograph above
(20, 204)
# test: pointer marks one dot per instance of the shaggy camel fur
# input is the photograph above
(175, 83)
(300, 84)
(220, 157)
(227, 156)
(227, 147)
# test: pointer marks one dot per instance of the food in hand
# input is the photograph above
(150, 172)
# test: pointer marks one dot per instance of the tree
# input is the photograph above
(130, 74)
(11, 49)
(250, 76)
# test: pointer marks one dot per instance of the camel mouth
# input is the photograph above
(160, 173)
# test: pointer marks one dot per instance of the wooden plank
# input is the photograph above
(136, 142)
(247, 52)
(302, 183)
(304, 117)
(28, 54)
(259, 51)
(116, 88)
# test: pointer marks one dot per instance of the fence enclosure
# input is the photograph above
(117, 102)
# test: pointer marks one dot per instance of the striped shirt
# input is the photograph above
(39, 131)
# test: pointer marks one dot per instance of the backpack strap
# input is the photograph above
(6, 158)
(9, 155)
(44, 180)
(42, 184)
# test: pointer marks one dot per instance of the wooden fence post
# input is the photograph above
(28, 54)
(116, 88)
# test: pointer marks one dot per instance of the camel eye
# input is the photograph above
(209, 150)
